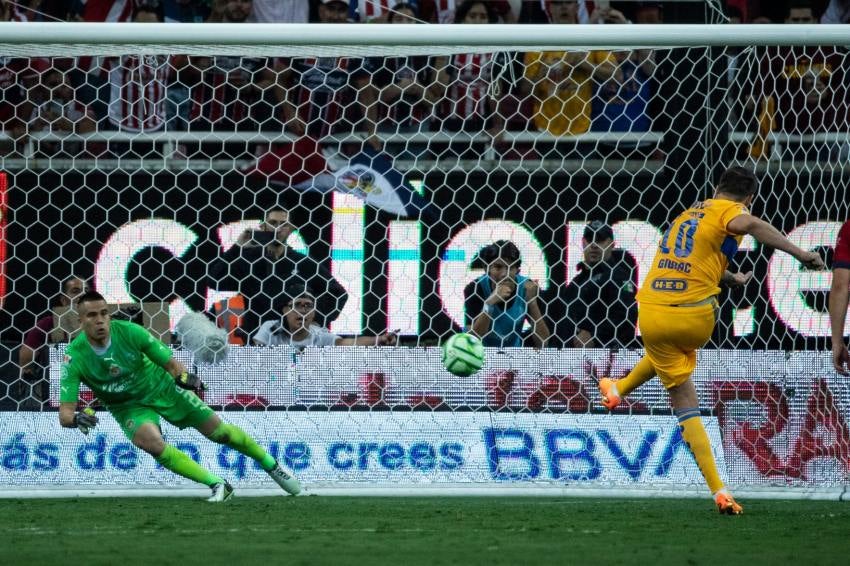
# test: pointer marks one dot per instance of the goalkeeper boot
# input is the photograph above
(285, 479)
(221, 492)
(610, 397)
(726, 504)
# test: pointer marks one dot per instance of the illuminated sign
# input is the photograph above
(786, 282)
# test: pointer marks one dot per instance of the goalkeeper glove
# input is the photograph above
(191, 382)
(85, 420)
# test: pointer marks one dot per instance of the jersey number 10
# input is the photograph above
(684, 239)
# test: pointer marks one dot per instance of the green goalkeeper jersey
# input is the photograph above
(130, 370)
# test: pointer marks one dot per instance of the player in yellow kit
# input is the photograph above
(678, 303)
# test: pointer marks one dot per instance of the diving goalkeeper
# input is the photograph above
(136, 377)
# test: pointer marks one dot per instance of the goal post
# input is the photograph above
(136, 156)
(76, 38)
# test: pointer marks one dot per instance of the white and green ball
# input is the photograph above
(463, 354)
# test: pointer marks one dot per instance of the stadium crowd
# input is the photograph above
(562, 93)
(559, 92)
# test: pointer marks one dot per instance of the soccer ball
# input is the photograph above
(463, 354)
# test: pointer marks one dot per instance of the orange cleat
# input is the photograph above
(610, 397)
(726, 504)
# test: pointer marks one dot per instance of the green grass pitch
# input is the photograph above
(412, 531)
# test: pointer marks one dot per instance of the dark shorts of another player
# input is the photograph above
(180, 407)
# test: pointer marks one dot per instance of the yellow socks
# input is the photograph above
(694, 435)
(640, 374)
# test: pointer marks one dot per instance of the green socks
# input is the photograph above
(181, 464)
(236, 438)
(233, 436)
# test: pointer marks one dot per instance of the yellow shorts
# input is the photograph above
(672, 336)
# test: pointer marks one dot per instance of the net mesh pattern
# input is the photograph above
(371, 189)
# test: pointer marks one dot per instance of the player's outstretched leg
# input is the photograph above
(181, 464)
(236, 438)
(147, 437)
(613, 391)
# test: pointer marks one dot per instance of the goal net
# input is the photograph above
(359, 176)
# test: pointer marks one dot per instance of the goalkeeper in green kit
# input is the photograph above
(138, 380)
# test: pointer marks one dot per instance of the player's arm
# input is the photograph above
(175, 367)
(839, 294)
(483, 321)
(477, 318)
(66, 414)
(33, 340)
(183, 377)
(69, 392)
(770, 236)
(385, 339)
(69, 417)
(332, 296)
(540, 334)
(161, 355)
(735, 279)
(26, 355)
(481, 324)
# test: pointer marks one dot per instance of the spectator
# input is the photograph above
(230, 93)
(802, 90)
(621, 103)
(102, 10)
(837, 12)
(384, 11)
(178, 107)
(597, 309)
(800, 13)
(297, 325)
(328, 95)
(648, 13)
(26, 11)
(403, 83)
(280, 11)
(438, 11)
(403, 13)
(464, 82)
(137, 84)
(56, 109)
(217, 8)
(735, 15)
(260, 265)
(32, 356)
(499, 302)
(741, 71)
(17, 76)
(562, 81)
(186, 11)
(443, 11)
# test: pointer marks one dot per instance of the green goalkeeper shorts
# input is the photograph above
(180, 407)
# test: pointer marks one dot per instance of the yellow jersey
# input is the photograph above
(563, 92)
(693, 254)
